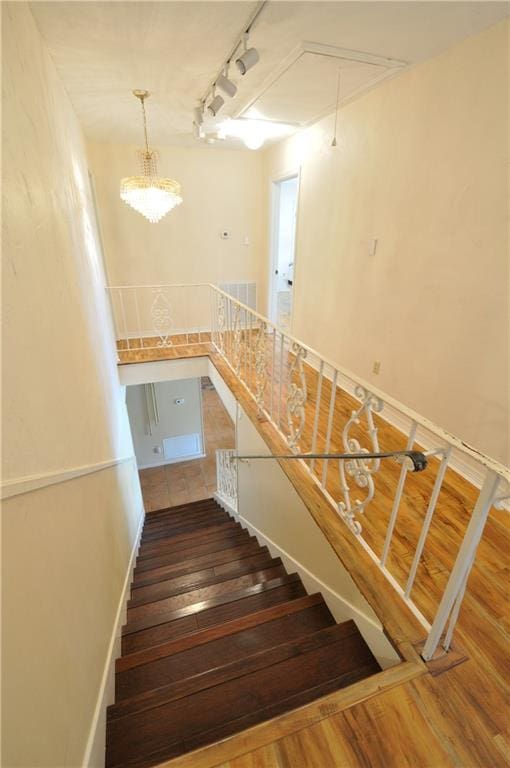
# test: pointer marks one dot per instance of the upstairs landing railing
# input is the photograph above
(321, 409)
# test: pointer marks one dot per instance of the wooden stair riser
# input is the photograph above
(288, 672)
(216, 589)
(186, 554)
(204, 636)
(221, 651)
(196, 580)
(221, 557)
(214, 616)
(168, 546)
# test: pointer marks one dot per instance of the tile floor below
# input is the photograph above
(187, 481)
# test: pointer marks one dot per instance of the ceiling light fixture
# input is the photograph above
(248, 59)
(148, 193)
(226, 85)
(253, 133)
(215, 104)
(198, 112)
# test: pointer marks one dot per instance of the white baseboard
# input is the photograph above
(94, 755)
(341, 608)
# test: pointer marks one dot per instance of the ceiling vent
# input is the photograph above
(303, 89)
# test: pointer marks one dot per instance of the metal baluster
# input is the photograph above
(329, 428)
(428, 518)
(138, 322)
(272, 374)
(398, 496)
(280, 382)
(317, 413)
(463, 563)
(123, 313)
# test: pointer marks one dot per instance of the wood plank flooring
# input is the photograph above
(460, 718)
(201, 659)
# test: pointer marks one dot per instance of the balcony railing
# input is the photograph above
(321, 409)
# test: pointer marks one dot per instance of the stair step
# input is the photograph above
(209, 531)
(211, 518)
(149, 612)
(162, 546)
(177, 665)
(199, 579)
(213, 613)
(170, 558)
(202, 636)
(151, 576)
(192, 708)
(190, 508)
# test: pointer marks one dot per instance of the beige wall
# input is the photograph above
(222, 189)
(66, 548)
(172, 419)
(421, 165)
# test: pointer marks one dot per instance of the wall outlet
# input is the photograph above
(376, 366)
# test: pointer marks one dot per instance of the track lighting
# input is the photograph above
(199, 114)
(216, 104)
(226, 85)
(248, 59)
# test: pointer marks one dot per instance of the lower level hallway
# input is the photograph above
(219, 637)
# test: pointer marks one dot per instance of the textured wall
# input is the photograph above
(222, 189)
(66, 548)
(421, 165)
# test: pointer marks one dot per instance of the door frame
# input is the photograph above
(274, 211)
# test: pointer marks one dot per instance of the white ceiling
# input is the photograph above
(103, 50)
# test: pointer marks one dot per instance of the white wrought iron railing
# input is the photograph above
(226, 478)
(322, 408)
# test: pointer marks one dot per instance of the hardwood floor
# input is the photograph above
(459, 718)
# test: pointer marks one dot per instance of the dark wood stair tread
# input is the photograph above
(169, 558)
(207, 560)
(220, 651)
(218, 638)
(251, 600)
(203, 578)
(208, 701)
(203, 636)
(214, 603)
(163, 546)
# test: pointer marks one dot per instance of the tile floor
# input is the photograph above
(188, 481)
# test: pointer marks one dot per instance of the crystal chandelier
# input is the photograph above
(149, 194)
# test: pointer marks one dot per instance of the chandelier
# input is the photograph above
(149, 194)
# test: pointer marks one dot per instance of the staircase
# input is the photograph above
(218, 638)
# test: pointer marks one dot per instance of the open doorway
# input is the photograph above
(283, 240)
(177, 426)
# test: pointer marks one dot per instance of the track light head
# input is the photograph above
(247, 60)
(199, 114)
(226, 85)
(215, 105)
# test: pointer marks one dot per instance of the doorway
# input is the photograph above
(283, 241)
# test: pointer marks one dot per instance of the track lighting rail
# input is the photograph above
(239, 42)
